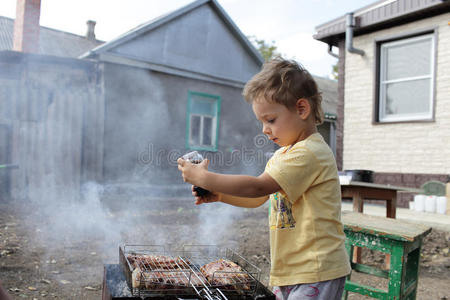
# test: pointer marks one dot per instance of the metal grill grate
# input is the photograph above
(210, 272)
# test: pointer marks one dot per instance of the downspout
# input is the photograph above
(350, 25)
(331, 52)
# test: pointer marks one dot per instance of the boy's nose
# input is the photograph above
(266, 129)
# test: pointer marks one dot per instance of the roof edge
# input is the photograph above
(168, 69)
(154, 23)
(149, 25)
(11, 56)
(355, 13)
(56, 30)
(238, 32)
(376, 16)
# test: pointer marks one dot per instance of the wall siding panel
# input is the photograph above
(55, 106)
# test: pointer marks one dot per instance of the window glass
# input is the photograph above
(203, 107)
(195, 130)
(407, 97)
(207, 131)
(203, 118)
(406, 79)
(408, 59)
(324, 130)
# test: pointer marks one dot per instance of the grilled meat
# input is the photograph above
(161, 272)
(151, 262)
(226, 273)
(163, 279)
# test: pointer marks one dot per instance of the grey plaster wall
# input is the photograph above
(145, 127)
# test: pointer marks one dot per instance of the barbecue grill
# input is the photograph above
(169, 273)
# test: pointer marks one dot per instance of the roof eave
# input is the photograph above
(334, 30)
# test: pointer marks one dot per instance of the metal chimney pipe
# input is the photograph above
(350, 25)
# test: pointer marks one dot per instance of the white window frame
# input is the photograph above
(383, 82)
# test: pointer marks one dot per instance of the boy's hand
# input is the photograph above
(208, 198)
(192, 173)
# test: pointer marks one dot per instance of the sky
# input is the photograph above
(288, 24)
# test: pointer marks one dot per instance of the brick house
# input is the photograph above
(394, 90)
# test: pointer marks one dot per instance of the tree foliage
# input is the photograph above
(267, 50)
(334, 71)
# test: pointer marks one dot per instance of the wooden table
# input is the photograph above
(360, 191)
(400, 239)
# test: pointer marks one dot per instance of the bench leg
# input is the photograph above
(358, 206)
(397, 272)
(349, 247)
(412, 273)
(391, 212)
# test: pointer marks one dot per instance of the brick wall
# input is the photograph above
(397, 148)
(340, 106)
(407, 180)
(26, 26)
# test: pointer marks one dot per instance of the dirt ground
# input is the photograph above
(59, 253)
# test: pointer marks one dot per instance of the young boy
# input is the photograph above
(308, 258)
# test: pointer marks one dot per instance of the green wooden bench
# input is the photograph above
(400, 239)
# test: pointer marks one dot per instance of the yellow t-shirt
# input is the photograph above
(306, 234)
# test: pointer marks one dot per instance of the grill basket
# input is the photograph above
(166, 270)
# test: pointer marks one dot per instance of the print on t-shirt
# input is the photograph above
(281, 212)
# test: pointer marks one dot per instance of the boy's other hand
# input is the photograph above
(208, 198)
(192, 172)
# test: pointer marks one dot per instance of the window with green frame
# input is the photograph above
(202, 121)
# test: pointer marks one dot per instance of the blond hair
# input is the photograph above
(284, 82)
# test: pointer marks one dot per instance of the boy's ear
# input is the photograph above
(303, 108)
